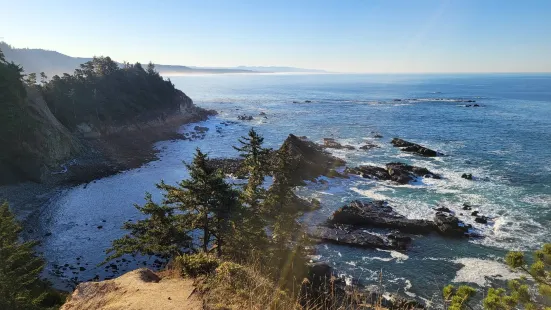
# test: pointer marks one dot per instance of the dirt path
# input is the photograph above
(140, 289)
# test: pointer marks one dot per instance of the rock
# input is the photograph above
(262, 113)
(295, 101)
(308, 101)
(378, 136)
(228, 165)
(307, 159)
(331, 143)
(450, 225)
(378, 214)
(47, 234)
(467, 207)
(413, 148)
(82, 268)
(443, 209)
(476, 105)
(368, 146)
(467, 176)
(347, 235)
(100, 227)
(399, 241)
(474, 213)
(397, 100)
(201, 129)
(397, 172)
(481, 219)
(245, 117)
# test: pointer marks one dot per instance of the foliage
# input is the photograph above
(100, 92)
(198, 264)
(14, 120)
(158, 234)
(519, 290)
(20, 286)
(458, 298)
(204, 203)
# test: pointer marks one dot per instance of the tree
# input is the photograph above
(256, 166)
(458, 298)
(43, 78)
(207, 203)
(20, 268)
(31, 79)
(160, 233)
(519, 292)
(151, 69)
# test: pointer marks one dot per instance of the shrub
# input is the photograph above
(195, 265)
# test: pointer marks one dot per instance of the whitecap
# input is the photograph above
(479, 271)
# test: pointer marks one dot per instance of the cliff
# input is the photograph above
(41, 148)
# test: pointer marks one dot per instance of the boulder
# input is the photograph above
(378, 214)
(307, 159)
(397, 172)
(368, 146)
(348, 235)
(245, 117)
(331, 143)
(481, 219)
(467, 176)
(411, 147)
(449, 225)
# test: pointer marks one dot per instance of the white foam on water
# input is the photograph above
(399, 257)
(407, 288)
(370, 193)
(479, 271)
(351, 263)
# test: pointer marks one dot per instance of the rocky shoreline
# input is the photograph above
(106, 155)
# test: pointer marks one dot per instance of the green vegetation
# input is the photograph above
(101, 92)
(249, 226)
(20, 286)
(519, 293)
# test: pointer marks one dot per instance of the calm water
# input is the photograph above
(505, 144)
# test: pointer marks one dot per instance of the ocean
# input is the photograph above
(505, 143)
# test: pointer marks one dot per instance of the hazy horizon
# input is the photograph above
(356, 37)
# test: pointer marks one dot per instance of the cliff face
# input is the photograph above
(42, 149)
(42, 153)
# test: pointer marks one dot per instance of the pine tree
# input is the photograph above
(208, 204)
(151, 69)
(161, 233)
(31, 79)
(256, 166)
(20, 268)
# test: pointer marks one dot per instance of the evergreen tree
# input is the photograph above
(43, 78)
(151, 69)
(160, 233)
(31, 79)
(256, 166)
(20, 268)
(208, 204)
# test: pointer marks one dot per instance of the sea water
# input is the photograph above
(505, 143)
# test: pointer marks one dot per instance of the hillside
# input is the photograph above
(99, 120)
(55, 63)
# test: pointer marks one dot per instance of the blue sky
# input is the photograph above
(344, 36)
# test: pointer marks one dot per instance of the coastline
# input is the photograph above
(123, 149)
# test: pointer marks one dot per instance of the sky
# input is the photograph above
(373, 36)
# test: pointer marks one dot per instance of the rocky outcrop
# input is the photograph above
(411, 147)
(377, 214)
(397, 172)
(349, 235)
(308, 160)
(333, 144)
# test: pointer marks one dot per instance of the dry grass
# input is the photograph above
(235, 286)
